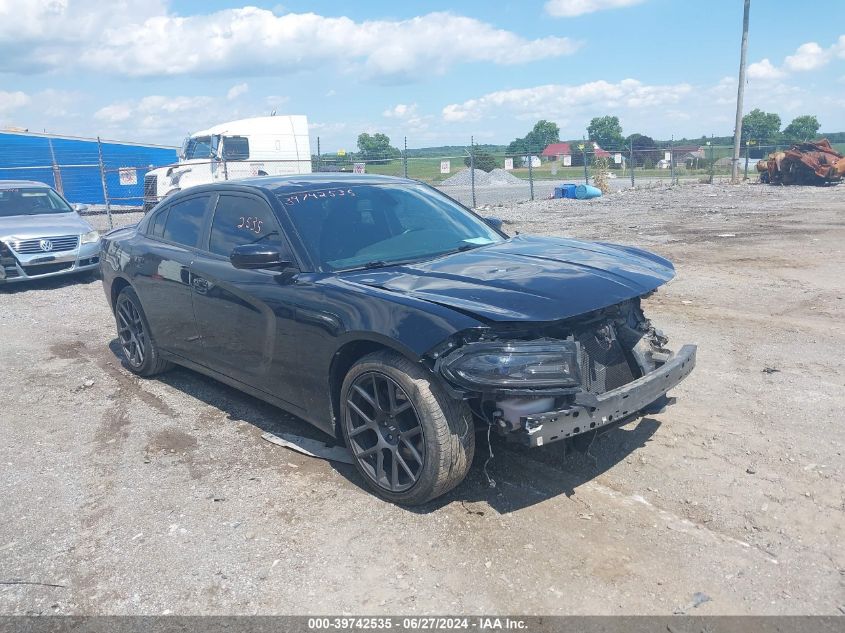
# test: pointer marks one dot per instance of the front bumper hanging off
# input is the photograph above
(590, 411)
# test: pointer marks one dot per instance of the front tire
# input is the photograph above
(411, 441)
(140, 353)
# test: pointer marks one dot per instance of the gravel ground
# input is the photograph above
(128, 496)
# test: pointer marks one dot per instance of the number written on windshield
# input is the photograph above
(250, 223)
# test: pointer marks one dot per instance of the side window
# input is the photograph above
(236, 148)
(184, 221)
(242, 220)
(156, 227)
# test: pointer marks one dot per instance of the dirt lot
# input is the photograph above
(149, 496)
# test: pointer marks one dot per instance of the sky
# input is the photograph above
(437, 72)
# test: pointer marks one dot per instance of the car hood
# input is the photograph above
(45, 225)
(527, 278)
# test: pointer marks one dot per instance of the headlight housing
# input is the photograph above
(515, 364)
(90, 236)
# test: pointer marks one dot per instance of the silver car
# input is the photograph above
(41, 235)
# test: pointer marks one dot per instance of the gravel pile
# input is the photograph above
(464, 179)
(496, 178)
(501, 177)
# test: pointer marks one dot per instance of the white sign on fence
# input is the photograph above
(445, 166)
(127, 175)
(667, 155)
(617, 158)
(359, 168)
(567, 160)
(554, 168)
(509, 163)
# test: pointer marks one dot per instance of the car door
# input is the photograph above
(244, 316)
(162, 273)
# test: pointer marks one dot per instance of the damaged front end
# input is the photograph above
(541, 383)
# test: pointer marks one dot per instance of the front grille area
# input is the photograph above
(604, 365)
(150, 191)
(43, 269)
(46, 245)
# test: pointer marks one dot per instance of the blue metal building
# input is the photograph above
(72, 166)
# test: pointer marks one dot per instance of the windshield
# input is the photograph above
(198, 147)
(378, 225)
(31, 201)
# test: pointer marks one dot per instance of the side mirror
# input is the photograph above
(251, 256)
(79, 208)
(496, 223)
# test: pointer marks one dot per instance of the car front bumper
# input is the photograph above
(19, 267)
(590, 412)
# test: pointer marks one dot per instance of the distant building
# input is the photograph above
(555, 151)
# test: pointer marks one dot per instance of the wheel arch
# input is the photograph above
(117, 286)
(350, 352)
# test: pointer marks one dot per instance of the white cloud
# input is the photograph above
(37, 35)
(401, 111)
(573, 8)
(163, 118)
(236, 91)
(139, 38)
(11, 101)
(114, 113)
(809, 56)
(764, 69)
(549, 100)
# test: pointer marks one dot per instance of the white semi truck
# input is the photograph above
(260, 146)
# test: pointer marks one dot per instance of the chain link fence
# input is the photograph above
(114, 176)
(479, 177)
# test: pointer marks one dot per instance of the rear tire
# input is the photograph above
(411, 441)
(140, 353)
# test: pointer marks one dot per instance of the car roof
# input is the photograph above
(297, 182)
(283, 185)
(21, 184)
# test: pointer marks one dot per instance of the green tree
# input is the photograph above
(606, 131)
(645, 149)
(541, 135)
(802, 128)
(376, 147)
(761, 126)
(483, 160)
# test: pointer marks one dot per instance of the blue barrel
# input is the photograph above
(565, 191)
(585, 192)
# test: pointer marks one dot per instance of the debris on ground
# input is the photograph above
(309, 447)
(808, 163)
(698, 598)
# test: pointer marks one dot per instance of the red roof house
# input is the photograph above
(556, 150)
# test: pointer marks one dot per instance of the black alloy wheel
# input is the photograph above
(131, 331)
(384, 432)
(135, 338)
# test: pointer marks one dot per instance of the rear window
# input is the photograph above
(184, 221)
(157, 223)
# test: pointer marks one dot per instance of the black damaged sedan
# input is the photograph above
(391, 317)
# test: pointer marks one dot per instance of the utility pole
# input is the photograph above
(472, 167)
(740, 93)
